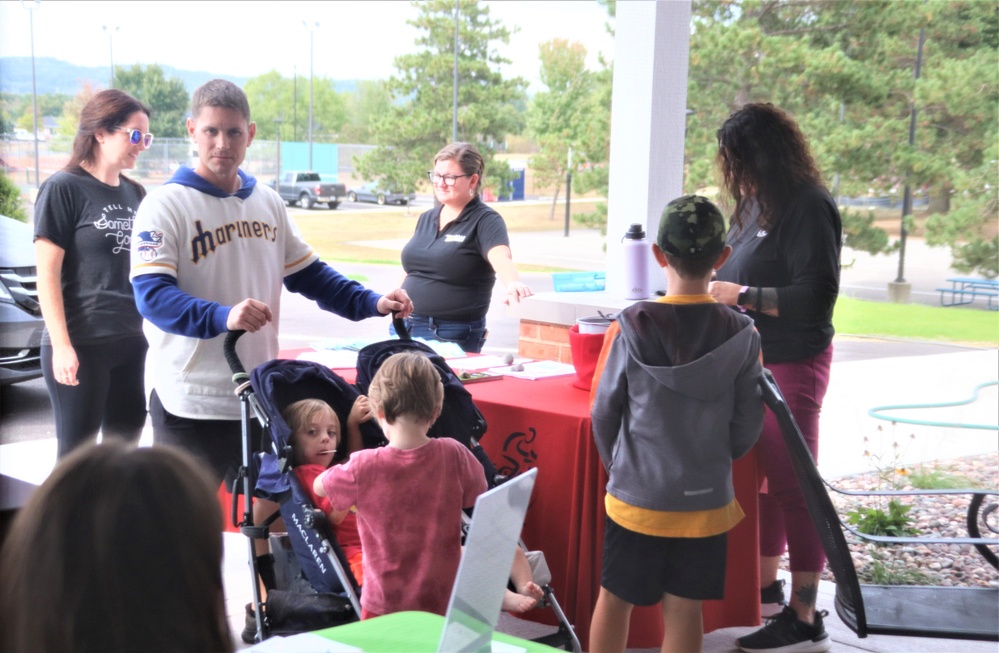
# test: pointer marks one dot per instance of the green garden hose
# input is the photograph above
(877, 410)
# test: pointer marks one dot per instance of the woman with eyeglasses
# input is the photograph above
(456, 252)
(93, 349)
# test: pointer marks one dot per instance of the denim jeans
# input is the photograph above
(470, 336)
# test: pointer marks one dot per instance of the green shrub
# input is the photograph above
(11, 204)
(875, 521)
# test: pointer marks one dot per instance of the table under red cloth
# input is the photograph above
(546, 424)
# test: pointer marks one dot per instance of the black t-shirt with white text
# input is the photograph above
(92, 222)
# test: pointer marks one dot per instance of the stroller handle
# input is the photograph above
(400, 327)
(229, 351)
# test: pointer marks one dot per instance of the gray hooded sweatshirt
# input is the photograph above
(677, 402)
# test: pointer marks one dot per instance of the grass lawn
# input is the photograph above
(333, 234)
(917, 322)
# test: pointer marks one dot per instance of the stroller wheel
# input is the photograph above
(249, 634)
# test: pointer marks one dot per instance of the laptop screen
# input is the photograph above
(477, 595)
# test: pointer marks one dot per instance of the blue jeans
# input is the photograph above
(470, 336)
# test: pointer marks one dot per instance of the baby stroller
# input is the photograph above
(332, 594)
(330, 586)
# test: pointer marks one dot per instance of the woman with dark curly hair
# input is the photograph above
(93, 351)
(786, 236)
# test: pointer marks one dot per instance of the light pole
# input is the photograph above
(568, 191)
(454, 99)
(110, 30)
(277, 131)
(31, 7)
(312, 27)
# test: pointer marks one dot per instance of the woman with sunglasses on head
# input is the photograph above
(456, 252)
(93, 349)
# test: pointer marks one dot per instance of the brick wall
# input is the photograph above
(544, 341)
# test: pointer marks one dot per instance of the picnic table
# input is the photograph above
(964, 290)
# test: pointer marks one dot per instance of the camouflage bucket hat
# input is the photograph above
(691, 227)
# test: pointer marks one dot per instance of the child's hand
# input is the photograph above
(360, 412)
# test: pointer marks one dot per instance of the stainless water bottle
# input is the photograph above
(636, 263)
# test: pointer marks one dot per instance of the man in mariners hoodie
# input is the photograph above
(210, 251)
(675, 400)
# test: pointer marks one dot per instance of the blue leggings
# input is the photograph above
(110, 397)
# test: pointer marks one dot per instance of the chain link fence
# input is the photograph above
(158, 163)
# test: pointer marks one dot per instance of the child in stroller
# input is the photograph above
(314, 441)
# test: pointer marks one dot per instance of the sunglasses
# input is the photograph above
(135, 136)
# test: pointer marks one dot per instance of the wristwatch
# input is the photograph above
(741, 299)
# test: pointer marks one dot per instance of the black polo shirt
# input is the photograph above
(447, 274)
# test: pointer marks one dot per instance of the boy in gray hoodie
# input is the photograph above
(675, 401)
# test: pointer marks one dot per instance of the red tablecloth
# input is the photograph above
(546, 424)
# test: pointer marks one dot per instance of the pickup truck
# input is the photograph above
(308, 189)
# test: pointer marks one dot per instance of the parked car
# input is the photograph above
(370, 192)
(20, 315)
(307, 189)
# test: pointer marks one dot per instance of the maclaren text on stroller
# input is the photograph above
(267, 474)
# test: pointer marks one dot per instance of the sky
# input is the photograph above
(354, 40)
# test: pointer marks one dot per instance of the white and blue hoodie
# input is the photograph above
(197, 251)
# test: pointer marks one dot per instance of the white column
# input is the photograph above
(647, 124)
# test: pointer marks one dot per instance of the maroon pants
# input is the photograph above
(784, 518)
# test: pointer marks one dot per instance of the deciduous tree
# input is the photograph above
(273, 96)
(167, 98)
(557, 117)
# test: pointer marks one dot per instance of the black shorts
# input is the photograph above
(641, 568)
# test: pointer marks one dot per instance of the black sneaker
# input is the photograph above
(785, 633)
(772, 599)
(774, 593)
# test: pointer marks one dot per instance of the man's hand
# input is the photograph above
(397, 300)
(250, 315)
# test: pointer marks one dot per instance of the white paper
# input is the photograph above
(332, 358)
(503, 647)
(537, 370)
(473, 363)
(304, 643)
